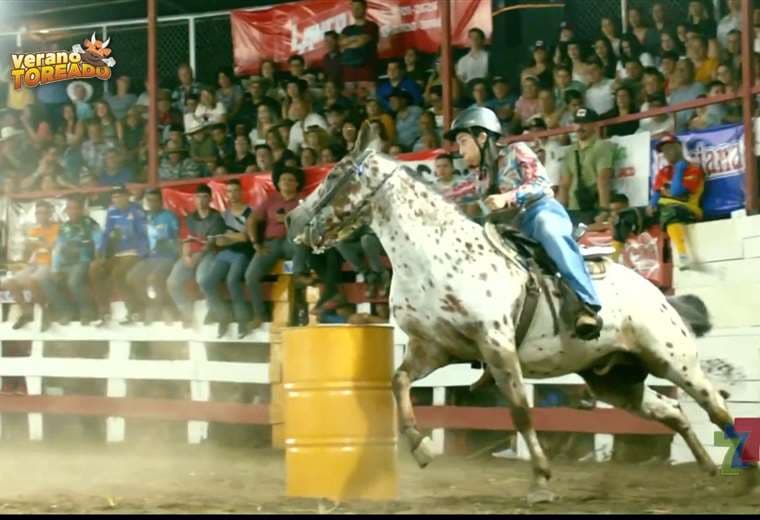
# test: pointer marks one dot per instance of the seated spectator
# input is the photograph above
(229, 94)
(375, 112)
(574, 55)
(668, 63)
(397, 81)
(573, 101)
(245, 119)
(329, 155)
(704, 66)
(630, 48)
(541, 65)
(670, 44)
(634, 78)
(73, 252)
(115, 171)
(407, 114)
(258, 88)
(108, 122)
(587, 172)
(308, 157)
(502, 102)
(434, 85)
(625, 222)
(474, 64)
(266, 118)
(454, 188)
(358, 43)
(50, 168)
(413, 68)
(143, 100)
(267, 231)
(603, 51)
(242, 160)
(647, 37)
(333, 96)
(123, 99)
(123, 244)
(295, 89)
(660, 22)
(269, 78)
(527, 104)
(287, 159)
(564, 82)
(209, 109)
(609, 29)
(301, 113)
(332, 62)
(276, 143)
(168, 116)
(264, 157)
(729, 23)
(132, 135)
(233, 254)
(688, 90)
(548, 109)
(202, 147)
(349, 132)
(187, 87)
(152, 271)
(72, 128)
(80, 93)
(730, 54)
(479, 89)
(362, 249)
(316, 138)
(599, 95)
(225, 147)
(197, 252)
(36, 125)
(700, 20)
(624, 106)
(657, 125)
(336, 115)
(429, 140)
(677, 194)
(175, 164)
(38, 246)
(95, 147)
(652, 82)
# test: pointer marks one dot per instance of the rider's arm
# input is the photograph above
(533, 182)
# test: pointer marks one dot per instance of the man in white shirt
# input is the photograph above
(599, 94)
(729, 22)
(300, 112)
(474, 64)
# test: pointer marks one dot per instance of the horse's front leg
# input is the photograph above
(499, 352)
(417, 364)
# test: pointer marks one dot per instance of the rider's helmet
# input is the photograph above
(475, 118)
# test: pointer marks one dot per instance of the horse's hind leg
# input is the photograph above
(417, 364)
(649, 404)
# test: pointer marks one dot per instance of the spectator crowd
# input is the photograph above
(279, 122)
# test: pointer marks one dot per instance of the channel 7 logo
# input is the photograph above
(743, 441)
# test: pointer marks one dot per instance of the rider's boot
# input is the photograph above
(588, 324)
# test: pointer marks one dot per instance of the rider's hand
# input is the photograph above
(499, 201)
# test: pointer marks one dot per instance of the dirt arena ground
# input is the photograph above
(142, 478)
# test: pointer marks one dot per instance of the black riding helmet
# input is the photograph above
(474, 118)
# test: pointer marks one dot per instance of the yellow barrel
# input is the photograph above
(340, 416)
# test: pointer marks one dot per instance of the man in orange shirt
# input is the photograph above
(704, 66)
(677, 193)
(38, 248)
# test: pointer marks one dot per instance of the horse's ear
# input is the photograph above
(369, 137)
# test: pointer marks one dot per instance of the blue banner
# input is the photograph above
(720, 152)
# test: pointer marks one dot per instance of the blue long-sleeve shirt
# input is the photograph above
(76, 243)
(385, 88)
(163, 234)
(125, 231)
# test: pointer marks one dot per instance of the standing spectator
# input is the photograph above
(229, 94)
(700, 20)
(647, 37)
(730, 22)
(187, 86)
(688, 90)
(397, 80)
(407, 114)
(677, 193)
(610, 31)
(73, 252)
(225, 147)
(38, 246)
(95, 147)
(115, 172)
(413, 68)
(301, 113)
(332, 61)
(268, 234)
(175, 165)
(197, 252)
(599, 95)
(603, 51)
(163, 249)
(358, 43)
(474, 64)
(242, 160)
(123, 99)
(704, 66)
(80, 93)
(233, 253)
(541, 64)
(587, 172)
(625, 105)
(123, 244)
(527, 104)
(210, 110)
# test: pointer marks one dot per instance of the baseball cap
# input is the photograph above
(565, 25)
(667, 139)
(499, 79)
(537, 122)
(585, 115)
(539, 45)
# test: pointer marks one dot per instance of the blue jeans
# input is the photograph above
(264, 262)
(230, 266)
(548, 223)
(76, 278)
(180, 275)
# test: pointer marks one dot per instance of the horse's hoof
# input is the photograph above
(423, 454)
(750, 482)
(541, 496)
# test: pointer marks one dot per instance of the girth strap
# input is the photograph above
(536, 285)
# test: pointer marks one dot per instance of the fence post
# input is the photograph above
(191, 43)
(748, 105)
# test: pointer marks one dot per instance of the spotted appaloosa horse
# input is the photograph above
(458, 298)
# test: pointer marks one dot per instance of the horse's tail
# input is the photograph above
(693, 311)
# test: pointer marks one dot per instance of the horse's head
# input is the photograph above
(340, 204)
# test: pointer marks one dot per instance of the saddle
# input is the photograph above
(543, 276)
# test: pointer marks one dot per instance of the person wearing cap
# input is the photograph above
(502, 102)
(197, 253)
(175, 164)
(301, 112)
(587, 171)
(566, 31)
(152, 271)
(123, 244)
(474, 64)
(397, 81)
(677, 195)
(541, 64)
(73, 252)
(407, 116)
(522, 183)
(38, 246)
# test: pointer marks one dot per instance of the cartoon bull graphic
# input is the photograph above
(95, 52)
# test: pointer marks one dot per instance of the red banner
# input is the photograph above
(281, 31)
